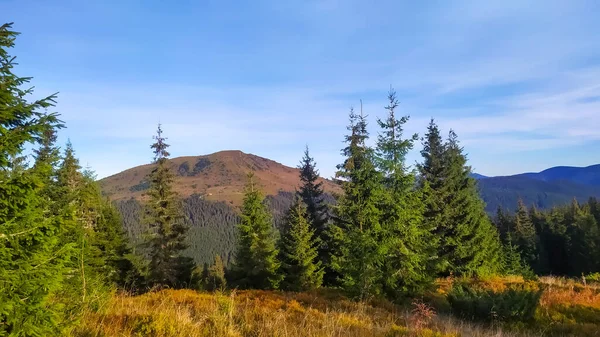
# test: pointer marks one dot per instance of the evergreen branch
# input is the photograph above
(52, 258)
(3, 236)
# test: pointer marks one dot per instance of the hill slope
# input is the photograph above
(506, 191)
(219, 176)
(580, 175)
(551, 187)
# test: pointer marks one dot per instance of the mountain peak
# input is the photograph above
(219, 176)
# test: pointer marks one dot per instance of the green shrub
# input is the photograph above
(518, 302)
(595, 277)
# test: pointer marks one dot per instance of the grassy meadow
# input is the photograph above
(565, 308)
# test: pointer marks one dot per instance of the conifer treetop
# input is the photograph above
(392, 148)
(20, 121)
(160, 146)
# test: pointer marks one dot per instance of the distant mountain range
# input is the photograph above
(221, 177)
(554, 186)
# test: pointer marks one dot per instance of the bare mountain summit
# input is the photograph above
(219, 176)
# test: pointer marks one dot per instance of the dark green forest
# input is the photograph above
(394, 229)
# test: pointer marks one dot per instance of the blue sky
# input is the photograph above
(519, 81)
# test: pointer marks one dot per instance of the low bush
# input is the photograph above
(593, 278)
(517, 302)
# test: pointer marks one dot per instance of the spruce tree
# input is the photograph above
(32, 256)
(471, 241)
(215, 275)
(79, 202)
(468, 242)
(594, 208)
(408, 243)
(299, 254)
(357, 230)
(543, 233)
(513, 263)
(69, 177)
(504, 223)
(583, 239)
(256, 263)
(113, 244)
(166, 241)
(48, 154)
(558, 239)
(312, 194)
(525, 235)
(585, 245)
(432, 175)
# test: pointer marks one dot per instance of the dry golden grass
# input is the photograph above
(178, 313)
(567, 308)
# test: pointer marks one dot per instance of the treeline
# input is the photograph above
(390, 233)
(394, 230)
(560, 241)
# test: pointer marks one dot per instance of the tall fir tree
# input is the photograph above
(512, 262)
(357, 230)
(76, 210)
(471, 241)
(32, 257)
(256, 262)
(94, 226)
(168, 266)
(214, 278)
(540, 223)
(301, 266)
(113, 243)
(503, 222)
(431, 184)
(468, 242)
(408, 244)
(583, 239)
(525, 235)
(594, 208)
(48, 155)
(312, 194)
(558, 241)
(585, 247)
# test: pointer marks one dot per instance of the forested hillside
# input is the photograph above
(212, 223)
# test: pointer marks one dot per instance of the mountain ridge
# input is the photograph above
(220, 176)
(550, 187)
(550, 174)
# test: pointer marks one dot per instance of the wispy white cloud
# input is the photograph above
(510, 77)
